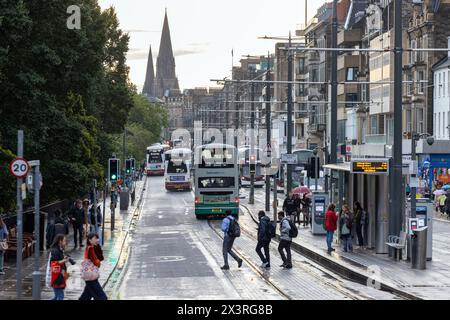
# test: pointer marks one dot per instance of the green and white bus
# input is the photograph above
(216, 180)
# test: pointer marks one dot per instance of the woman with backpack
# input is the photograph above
(93, 255)
(346, 224)
(58, 260)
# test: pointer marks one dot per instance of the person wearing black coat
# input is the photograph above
(290, 204)
(264, 238)
(78, 218)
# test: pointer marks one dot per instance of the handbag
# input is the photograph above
(58, 275)
(3, 245)
(89, 271)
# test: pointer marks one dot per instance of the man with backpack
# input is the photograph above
(266, 231)
(231, 230)
(288, 230)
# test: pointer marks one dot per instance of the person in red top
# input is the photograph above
(93, 252)
(330, 225)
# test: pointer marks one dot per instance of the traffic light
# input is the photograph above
(113, 169)
(128, 166)
(133, 168)
(252, 164)
(312, 168)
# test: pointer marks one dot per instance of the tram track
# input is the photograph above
(253, 266)
(324, 270)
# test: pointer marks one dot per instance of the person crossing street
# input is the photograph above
(285, 241)
(264, 238)
(231, 231)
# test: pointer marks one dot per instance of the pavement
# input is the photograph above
(364, 265)
(113, 244)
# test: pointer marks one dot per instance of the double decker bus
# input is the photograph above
(216, 180)
(244, 154)
(155, 159)
(177, 174)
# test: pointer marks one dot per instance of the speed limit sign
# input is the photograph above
(19, 168)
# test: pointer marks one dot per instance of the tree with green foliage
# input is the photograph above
(69, 90)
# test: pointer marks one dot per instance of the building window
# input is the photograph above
(373, 125)
(440, 85)
(410, 84)
(444, 85)
(351, 74)
(421, 84)
(314, 75)
(439, 124)
(413, 55)
(301, 65)
(301, 89)
(408, 120)
(420, 123)
(351, 100)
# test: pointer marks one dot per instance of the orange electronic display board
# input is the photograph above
(370, 166)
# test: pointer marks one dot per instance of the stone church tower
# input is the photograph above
(166, 82)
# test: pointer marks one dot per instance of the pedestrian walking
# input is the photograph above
(265, 232)
(298, 208)
(78, 218)
(289, 204)
(231, 230)
(345, 225)
(330, 225)
(95, 222)
(306, 204)
(447, 205)
(94, 254)
(285, 240)
(3, 244)
(58, 260)
(360, 222)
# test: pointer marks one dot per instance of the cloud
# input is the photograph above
(186, 52)
(137, 54)
(140, 31)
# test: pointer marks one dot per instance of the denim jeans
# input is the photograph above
(263, 245)
(329, 239)
(59, 294)
(77, 230)
(347, 242)
(228, 249)
(285, 245)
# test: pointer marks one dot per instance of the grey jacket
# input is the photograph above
(284, 229)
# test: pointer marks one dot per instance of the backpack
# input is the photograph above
(293, 233)
(234, 230)
(272, 230)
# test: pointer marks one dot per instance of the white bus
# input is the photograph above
(244, 167)
(177, 174)
(155, 159)
(216, 180)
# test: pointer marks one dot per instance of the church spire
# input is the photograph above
(149, 84)
(166, 79)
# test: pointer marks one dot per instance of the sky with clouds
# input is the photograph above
(204, 32)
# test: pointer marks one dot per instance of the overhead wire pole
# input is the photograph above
(396, 204)
(333, 120)
(289, 118)
(252, 157)
(268, 133)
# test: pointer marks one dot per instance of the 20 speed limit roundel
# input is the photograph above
(19, 167)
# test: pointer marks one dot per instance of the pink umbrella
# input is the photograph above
(301, 189)
(439, 192)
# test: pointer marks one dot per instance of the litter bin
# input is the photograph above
(419, 248)
(124, 200)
